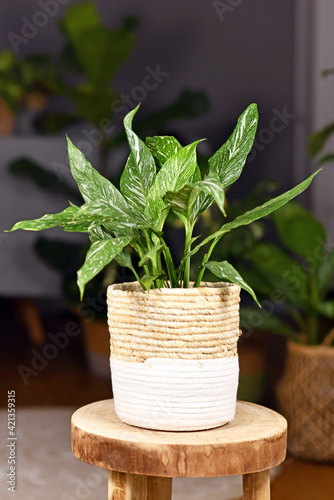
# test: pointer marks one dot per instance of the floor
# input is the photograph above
(65, 380)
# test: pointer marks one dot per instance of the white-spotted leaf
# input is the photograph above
(139, 172)
(228, 162)
(98, 256)
(226, 272)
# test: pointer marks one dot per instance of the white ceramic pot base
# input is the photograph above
(175, 394)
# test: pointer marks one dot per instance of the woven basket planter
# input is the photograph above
(174, 356)
(306, 399)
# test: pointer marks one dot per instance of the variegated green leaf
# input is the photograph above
(183, 202)
(203, 200)
(163, 147)
(112, 215)
(98, 233)
(98, 256)
(174, 174)
(123, 259)
(212, 187)
(257, 213)
(139, 172)
(92, 185)
(270, 206)
(68, 220)
(226, 272)
(196, 175)
(228, 162)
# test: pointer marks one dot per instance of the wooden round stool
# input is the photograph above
(142, 463)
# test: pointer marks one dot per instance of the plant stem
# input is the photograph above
(156, 269)
(187, 247)
(205, 260)
(140, 253)
(134, 272)
(147, 239)
(169, 264)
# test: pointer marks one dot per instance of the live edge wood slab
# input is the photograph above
(250, 445)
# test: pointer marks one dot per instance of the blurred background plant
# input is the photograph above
(82, 84)
(25, 83)
(293, 270)
(81, 78)
(85, 70)
(296, 273)
(318, 140)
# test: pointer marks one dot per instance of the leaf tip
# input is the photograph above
(70, 145)
(81, 289)
(81, 284)
(127, 120)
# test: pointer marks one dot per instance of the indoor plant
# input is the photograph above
(318, 140)
(298, 275)
(145, 342)
(25, 83)
(88, 95)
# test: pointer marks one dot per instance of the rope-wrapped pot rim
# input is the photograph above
(188, 323)
(206, 288)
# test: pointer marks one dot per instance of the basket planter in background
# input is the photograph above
(306, 399)
(7, 119)
(174, 356)
(96, 342)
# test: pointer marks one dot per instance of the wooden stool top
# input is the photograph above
(255, 440)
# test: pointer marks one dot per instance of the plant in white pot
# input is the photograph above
(173, 342)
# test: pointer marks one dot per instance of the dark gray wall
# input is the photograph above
(245, 57)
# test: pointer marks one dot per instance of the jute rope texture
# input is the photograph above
(306, 396)
(187, 323)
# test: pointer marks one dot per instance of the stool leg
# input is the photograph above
(122, 486)
(159, 488)
(256, 486)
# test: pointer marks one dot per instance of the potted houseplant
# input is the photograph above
(173, 342)
(25, 83)
(298, 274)
(84, 79)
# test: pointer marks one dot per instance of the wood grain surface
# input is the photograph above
(254, 441)
(123, 486)
(256, 486)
